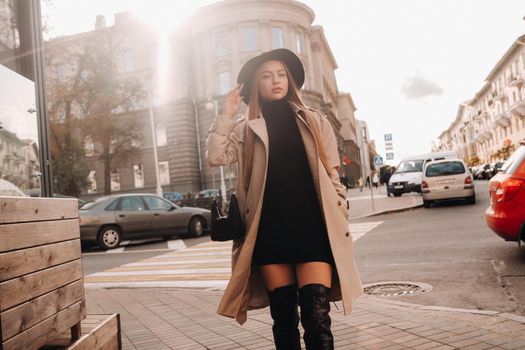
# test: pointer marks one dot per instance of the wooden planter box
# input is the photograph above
(41, 279)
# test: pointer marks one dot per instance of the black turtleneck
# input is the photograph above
(291, 228)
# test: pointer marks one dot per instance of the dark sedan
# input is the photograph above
(109, 220)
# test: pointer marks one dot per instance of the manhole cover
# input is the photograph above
(390, 289)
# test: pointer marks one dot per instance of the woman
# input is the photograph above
(297, 248)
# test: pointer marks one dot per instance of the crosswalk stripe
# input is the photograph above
(176, 244)
(205, 265)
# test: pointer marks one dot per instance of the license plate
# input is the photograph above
(444, 182)
(398, 186)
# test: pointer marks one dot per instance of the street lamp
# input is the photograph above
(154, 138)
(213, 105)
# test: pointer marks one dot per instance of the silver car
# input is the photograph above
(447, 179)
(111, 219)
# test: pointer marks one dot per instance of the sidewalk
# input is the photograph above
(361, 202)
(156, 319)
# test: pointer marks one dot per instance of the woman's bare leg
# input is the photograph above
(314, 272)
(277, 275)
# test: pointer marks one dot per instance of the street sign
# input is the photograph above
(378, 160)
(388, 137)
(390, 156)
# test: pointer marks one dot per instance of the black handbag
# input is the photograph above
(226, 227)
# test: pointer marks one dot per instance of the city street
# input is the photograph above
(167, 294)
(447, 246)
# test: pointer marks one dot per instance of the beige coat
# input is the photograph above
(246, 289)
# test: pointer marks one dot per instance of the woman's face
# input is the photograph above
(272, 81)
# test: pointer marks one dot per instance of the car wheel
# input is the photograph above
(196, 227)
(471, 199)
(109, 237)
(166, 237)
(427, 204)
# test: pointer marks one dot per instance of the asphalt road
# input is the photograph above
(97, 260)
(449, 247)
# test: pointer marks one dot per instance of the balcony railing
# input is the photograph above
(517, 81)
(500, 96)
(502, 119)
(518, 109)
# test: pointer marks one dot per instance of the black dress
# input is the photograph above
(292, 227)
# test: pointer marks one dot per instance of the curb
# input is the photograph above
(388, 211)
(506, 315)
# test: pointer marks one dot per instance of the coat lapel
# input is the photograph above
(258, 126)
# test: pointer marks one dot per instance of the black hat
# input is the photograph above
(290, 59)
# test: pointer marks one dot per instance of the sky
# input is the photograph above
(407, 63)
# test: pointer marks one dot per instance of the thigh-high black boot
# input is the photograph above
(315, 318)
(283, 308)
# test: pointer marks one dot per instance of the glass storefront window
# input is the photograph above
(19, 142)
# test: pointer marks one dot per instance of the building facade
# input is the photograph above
(193, 70)
(494, 120)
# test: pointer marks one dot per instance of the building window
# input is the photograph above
(115, 180)
(162, 139)
(249, 38)
(138, 175)
(89, 146)
(164, 173)
(277, 38)
(299, 42)
(92, 188)
(224, 83)
(128, 60)
(221, 44)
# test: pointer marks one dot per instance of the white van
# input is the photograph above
(409, 173)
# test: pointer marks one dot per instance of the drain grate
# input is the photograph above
(390, 289)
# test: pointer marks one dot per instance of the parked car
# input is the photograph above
(208, 193)
(174, 197)
(447, 179)
(484, 172)
(408, 174)
(111, 219)
(495, 168)
(506, 212)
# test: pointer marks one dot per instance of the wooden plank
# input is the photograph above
(25, 316)
(105, 336)
(21, 289)
(22, 209)
(40, 334)
(21, 262)
(25, 235)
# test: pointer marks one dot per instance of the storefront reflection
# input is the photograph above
(19, 153)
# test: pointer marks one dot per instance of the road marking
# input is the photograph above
(205, 265)
(359, 230)
(176, 244)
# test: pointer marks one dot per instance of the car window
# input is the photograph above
(131, 203)
(512, 164)
(445, 168)
(156, 203)
(410, 166)
(113, 205)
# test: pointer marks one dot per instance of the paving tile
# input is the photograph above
(187, 320)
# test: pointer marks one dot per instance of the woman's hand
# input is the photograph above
(232, 103)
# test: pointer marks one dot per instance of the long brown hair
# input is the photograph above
(254, 110)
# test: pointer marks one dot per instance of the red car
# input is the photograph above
(506, 213)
